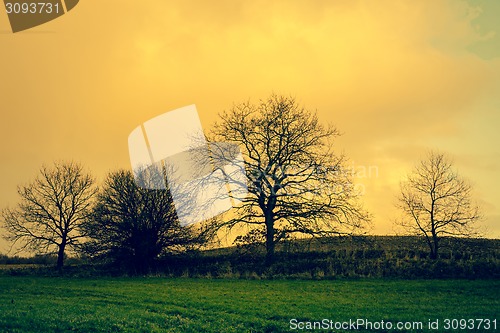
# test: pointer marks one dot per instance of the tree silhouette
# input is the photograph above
(132, 225)
(436, 202)
(296, 182)
(52, 210)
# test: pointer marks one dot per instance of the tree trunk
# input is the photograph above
(269, 239)
(435, 247)
(433, 254)
(60, 255)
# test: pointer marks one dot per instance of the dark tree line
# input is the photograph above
(297, 185)
(63, 210)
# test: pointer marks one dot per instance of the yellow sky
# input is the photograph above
(397, 78)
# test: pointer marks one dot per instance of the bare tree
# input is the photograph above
(296, 182)
(436, 202)
(51, 210)
(133, 225)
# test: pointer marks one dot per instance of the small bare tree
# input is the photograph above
(297, 184)
(436, 202)
(52, 210)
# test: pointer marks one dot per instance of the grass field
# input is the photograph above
(40, 304)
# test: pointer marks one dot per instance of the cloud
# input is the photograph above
(396, 77)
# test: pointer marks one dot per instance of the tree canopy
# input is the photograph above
(297, 182)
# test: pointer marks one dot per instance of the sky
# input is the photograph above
(396, 78)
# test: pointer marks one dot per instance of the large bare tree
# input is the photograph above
(437, 202)
(297, 184)
(51, 210)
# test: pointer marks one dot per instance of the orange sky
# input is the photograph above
(397, 78)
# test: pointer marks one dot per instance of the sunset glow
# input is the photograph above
(396, 78)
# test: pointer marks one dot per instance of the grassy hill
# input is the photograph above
(325, 258)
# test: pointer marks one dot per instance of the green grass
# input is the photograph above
(37, 304)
